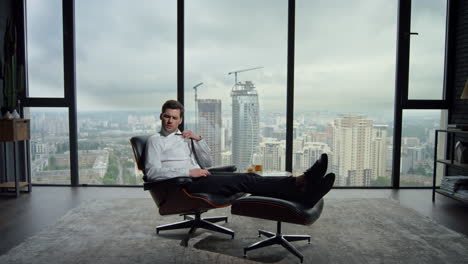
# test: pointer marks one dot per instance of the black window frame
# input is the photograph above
(402, 102)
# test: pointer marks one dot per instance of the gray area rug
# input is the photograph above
(349, 231)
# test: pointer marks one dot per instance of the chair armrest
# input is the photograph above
(170, 182)
(229, 168)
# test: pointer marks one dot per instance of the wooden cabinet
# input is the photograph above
(14, 130)
(11, 132)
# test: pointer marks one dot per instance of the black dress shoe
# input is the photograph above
(314, 174)
(322, 189)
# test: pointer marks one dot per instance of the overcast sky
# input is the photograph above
(345, 52)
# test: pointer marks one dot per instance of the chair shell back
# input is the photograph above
(138, 145)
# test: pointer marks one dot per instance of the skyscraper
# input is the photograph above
(312, 152)
(379, 151)
(245, 124)
(272, 155)
(359, 150)
(209, 126)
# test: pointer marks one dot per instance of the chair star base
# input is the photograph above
(278, 239)
(194, 222)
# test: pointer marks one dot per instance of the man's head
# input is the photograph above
(172, 114)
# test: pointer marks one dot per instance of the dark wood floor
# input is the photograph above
(22, 217)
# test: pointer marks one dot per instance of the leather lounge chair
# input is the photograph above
(171, 197)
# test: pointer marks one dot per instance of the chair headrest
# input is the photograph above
(138, 145)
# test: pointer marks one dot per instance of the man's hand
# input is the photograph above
(198, 173)
(190, 134)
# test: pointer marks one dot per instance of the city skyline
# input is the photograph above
(105, 155)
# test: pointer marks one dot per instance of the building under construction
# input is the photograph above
(245, 124)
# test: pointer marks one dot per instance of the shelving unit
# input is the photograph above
(453, 163)
(448, 162)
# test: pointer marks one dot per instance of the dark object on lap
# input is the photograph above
(230, 168)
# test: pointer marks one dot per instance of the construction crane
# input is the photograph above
(195, 88)
(196, 106)
(244, 70)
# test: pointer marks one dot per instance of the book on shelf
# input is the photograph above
(458, 126)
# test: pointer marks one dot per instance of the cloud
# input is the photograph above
(127, 53)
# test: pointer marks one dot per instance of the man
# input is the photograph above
(169, 154)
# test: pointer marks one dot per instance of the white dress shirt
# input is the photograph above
(169, 156)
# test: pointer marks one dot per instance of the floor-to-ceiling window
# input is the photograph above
(427, 49)
(344, 88)
(50, 145)
(425, 82)
(125, 70)
(235, 79)
(417, 146)
(45, 48)
(50, 156)
(235, 69)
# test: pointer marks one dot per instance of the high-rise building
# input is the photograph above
(268, 131)
(272, 154)
(379, 151)
(312, 152)
(245, 124)
(410, 141)
(359, 150)
(226, 158)
(298, 143)
(209, 126)
(227, 133)
(298, 157)
(411, 157)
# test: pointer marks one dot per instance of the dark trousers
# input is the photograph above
(229, 183)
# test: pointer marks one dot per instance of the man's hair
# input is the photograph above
(173, 104)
